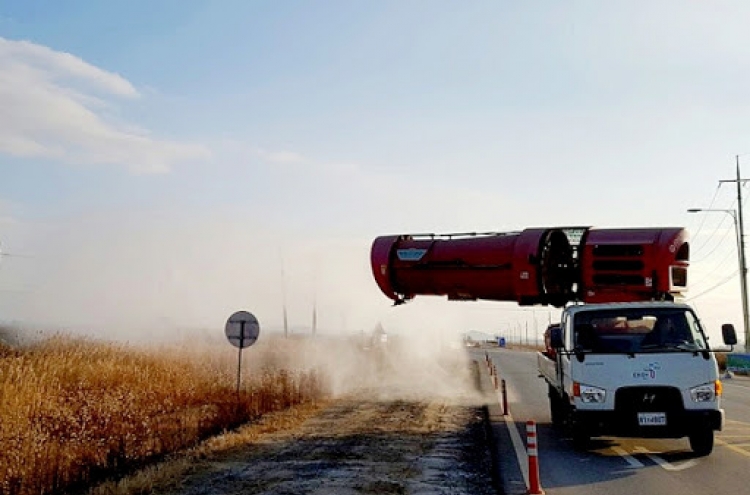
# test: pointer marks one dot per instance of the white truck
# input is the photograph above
(636, 369)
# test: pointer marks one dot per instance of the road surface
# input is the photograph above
(624, 466)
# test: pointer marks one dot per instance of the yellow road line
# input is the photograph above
(733, 447)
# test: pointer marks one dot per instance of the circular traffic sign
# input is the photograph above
(242, 329)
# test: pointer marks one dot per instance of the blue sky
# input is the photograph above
(161, 161)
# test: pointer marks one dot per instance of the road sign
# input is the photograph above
(242, 329)
(738, 363)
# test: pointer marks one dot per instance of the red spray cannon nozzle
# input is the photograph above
(535, 266)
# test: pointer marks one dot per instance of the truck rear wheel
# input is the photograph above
(702, 441)
(556, 408)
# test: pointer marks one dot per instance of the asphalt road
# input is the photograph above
(624, 465)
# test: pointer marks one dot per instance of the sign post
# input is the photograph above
(242, 330)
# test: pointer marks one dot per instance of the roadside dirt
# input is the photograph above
(418, 432)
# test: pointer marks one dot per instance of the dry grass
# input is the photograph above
(168, 475)
(721, 359)
(75, 412)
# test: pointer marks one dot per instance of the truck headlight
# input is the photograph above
(589, 394)
(707, 392)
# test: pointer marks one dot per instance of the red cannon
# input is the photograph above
(548, 266)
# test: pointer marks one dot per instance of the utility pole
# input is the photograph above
(315, 300)
(286, 326)
(315, 317)
(741, 247)
(283, 297)
(527, 332)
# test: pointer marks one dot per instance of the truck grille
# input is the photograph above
(648, 399)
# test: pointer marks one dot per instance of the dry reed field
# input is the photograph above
(74, 412)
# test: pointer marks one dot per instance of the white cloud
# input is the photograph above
(282, 157)
(60, 65)
(54, 105)
(292, 158)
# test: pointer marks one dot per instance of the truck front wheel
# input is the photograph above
(702, 441)
(579, 431)
(556, 408)
(581, 436)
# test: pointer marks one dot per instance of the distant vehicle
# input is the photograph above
(548, 349)
(379, 338)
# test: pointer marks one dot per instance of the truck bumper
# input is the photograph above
(621, 424)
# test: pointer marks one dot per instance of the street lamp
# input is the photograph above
(739, 232)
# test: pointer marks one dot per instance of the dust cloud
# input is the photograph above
(144, 276)
(169, 279)
(398, 367)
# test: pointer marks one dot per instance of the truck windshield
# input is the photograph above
(631, 330)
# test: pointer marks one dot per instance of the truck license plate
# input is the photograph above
(652, 419)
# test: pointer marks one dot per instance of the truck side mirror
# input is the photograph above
(556, 337)
(729, 334)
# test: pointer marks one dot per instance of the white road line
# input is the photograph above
(634, 463)
(664, 464)
(523, 460)
(515, 437)
(732, 385)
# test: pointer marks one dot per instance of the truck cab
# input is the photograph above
(640, 369)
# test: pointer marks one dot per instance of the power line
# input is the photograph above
(717, 245)
(711, 205)
(715, 269)
(699, 247)
(710, 289)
